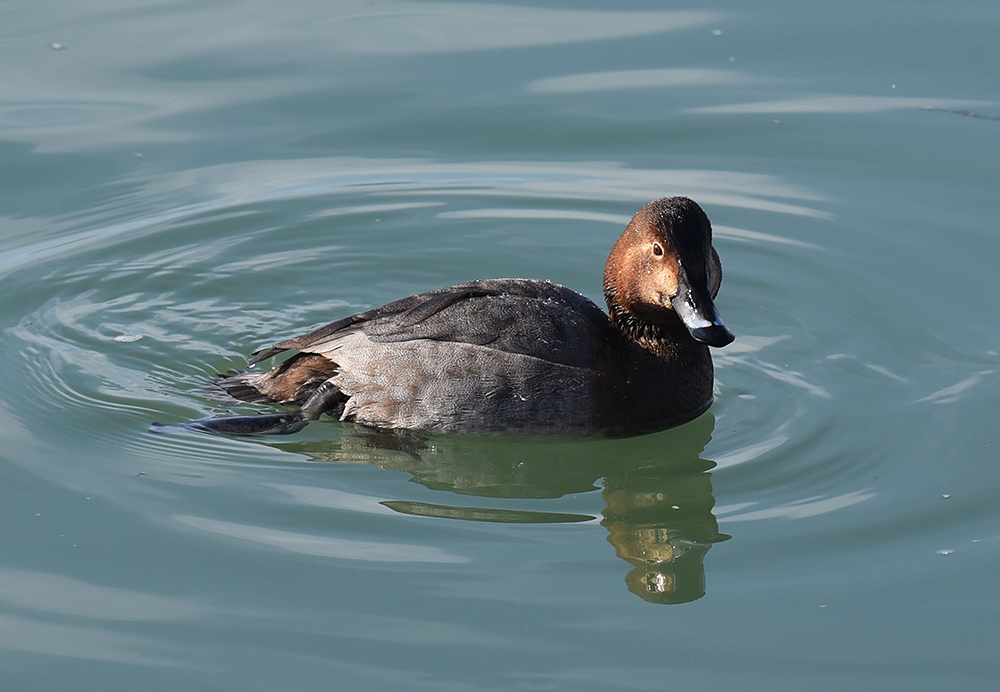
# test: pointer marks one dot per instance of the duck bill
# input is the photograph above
(695, 307)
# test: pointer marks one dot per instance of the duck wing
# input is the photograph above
(539, 319)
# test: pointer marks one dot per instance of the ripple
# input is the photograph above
(407, 29)
(83, 642)
(232, 191)
(949, 395)
(52, 593)
(640, 79)
(321, 546)
(59, 115)
(750, 452)
(608, 181)
(132, 317)
(841, 103)
(798, 509)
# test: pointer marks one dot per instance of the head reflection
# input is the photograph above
(657, 490)
(659, 520)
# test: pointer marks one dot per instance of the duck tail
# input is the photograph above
(243, 386)
(293, 381)
(303, 380)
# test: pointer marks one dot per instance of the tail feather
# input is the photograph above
(302, 380)
(240, 386)
(292, 382)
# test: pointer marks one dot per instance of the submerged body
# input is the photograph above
(517, 354)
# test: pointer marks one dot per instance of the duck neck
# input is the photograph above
(667, 337)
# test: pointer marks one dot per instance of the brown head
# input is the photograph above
(664, 268)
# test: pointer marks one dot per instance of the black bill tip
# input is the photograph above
(716, 334)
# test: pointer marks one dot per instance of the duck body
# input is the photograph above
(516, 354)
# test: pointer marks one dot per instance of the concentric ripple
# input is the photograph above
(124, 324)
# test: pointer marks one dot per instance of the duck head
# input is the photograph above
(664, 268)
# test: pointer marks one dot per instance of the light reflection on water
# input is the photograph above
(185, 184)
(843, 103)
(310, 37)
(320, 546)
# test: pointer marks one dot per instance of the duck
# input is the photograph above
(506, 354)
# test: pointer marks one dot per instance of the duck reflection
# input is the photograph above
(660, 521)
(657, 489)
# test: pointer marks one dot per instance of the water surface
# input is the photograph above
(182, 185)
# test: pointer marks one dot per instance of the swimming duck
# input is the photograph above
(516, 354)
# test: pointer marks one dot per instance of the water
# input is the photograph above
(183, 184)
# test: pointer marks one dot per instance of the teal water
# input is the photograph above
(181, 184)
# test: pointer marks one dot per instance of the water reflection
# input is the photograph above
(640, 79)
(660, 521)
(657, 490)
(839, 103)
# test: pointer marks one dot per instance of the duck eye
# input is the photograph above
(657, 250)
